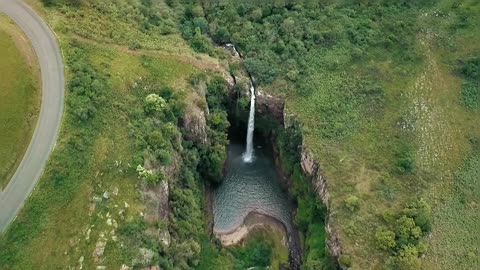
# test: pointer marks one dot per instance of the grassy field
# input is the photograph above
(424, 98)
(19, 97)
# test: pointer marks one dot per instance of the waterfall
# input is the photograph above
(248, 155)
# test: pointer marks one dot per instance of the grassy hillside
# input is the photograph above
(19, 97)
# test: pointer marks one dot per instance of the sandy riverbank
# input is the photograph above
(253, 221)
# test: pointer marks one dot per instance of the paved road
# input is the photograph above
(43, 140)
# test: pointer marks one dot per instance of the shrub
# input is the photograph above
(256, 253)
(471, 95)
(155, 139)
(154, 103)
(470, 70)
(384, 239)
(408, 259)
(222, 35)
(420, 211)
(345, 261)
(352, 203)
(199, 42)
(164, 157)
(406, 230)
(148, 176)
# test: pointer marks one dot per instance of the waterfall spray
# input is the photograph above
(248, 155)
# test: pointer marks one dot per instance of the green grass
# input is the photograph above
(19, 97)
(454, 241)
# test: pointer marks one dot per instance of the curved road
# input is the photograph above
(43, 140)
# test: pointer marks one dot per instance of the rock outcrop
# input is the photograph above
(269, 105)
(195, 125)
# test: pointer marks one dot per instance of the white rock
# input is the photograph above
(99, 248)
(80, 261)
(88, 234)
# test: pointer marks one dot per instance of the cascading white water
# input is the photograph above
(248, 155)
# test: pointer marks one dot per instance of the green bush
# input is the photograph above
(345, 261)
(471, 94)
(408, 259)
(86, 86)
(384, 239)
(420, 211)
(470, 70)
(352, 203)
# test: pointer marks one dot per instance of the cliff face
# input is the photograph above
(195, 118)
(312, 169)
(195, 125)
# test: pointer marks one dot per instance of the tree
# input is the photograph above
(199, 42)
(288, 26)
(406, 230)
(222, 35)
